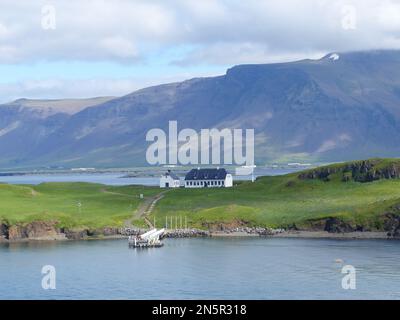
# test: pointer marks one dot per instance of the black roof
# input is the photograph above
(206, 174)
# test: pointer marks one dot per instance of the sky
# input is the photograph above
(86, 48)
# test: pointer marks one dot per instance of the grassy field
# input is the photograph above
(277, 201)
(100, 205)
(282, 201)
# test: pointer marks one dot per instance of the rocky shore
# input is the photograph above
(48, 231)
(186, 233)
(321, 228)
(245, 232)
(356, 235)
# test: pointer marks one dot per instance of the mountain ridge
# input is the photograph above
(343, 106)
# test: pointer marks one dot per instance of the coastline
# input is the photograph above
(63, 239)
(357, 235)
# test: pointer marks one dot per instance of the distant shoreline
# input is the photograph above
(366, 235)
(356, 235)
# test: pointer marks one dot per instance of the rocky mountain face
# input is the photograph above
(341, 107)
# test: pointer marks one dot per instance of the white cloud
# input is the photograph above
(216, 33)
(79, 88)
(389, 17)
(119, 47)
(245, 52)
(60, 88)
(120, 29)
(4, 32)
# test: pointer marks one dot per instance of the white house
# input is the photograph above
(170, 180)
(208, 178)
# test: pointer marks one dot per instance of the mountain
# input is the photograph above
(341, 107)
(54, 106)
(25, 124)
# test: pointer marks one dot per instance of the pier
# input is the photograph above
(149, 239)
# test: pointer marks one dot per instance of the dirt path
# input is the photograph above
(145, 209)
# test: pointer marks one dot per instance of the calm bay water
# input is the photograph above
(104, 178)
(115, 178)
(202, 269)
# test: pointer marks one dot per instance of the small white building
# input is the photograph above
(208, 178)
(170, 180)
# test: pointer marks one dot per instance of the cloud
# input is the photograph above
(244, 52)
(79, 88)
(119, 47)
(195, 36)
(56, 88)
(126, 31)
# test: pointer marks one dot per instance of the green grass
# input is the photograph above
(277, 201)
(282, 201)
(100, 205)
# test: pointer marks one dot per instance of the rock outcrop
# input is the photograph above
(392, 225)
(46, 230)
(331, 225)
(49, 230)
(335, 225)
(360, 171)
(3, 231)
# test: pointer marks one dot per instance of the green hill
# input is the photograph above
(358, 195)
(72, 205)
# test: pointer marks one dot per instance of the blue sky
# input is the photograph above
(57, 49)
(84, 69)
